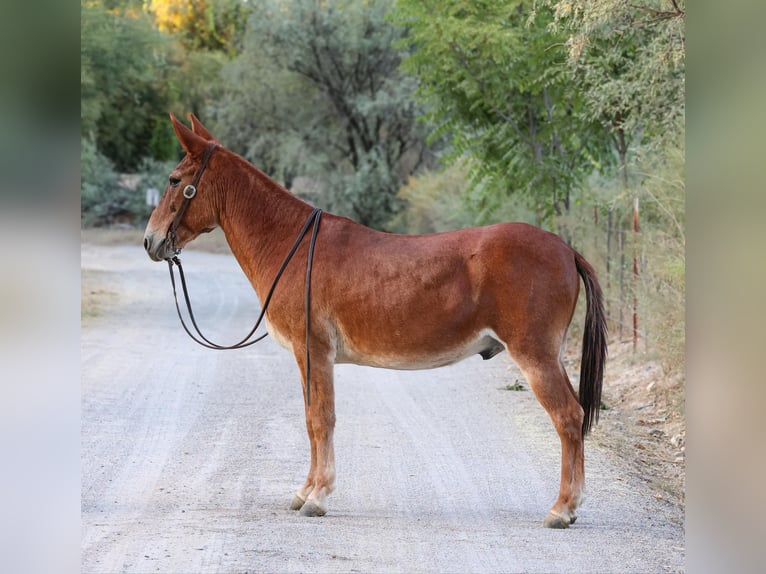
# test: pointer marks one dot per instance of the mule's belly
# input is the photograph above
(409, 356)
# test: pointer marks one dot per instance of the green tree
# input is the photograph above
(629, 61)
(505, 96)
(317, 93)
(132, 74)
(123, 62)
(202, 25)
(269, 115)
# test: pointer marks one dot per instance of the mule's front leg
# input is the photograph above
(310, 499)
(303, 492)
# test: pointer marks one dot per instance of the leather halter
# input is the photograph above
(189, 192)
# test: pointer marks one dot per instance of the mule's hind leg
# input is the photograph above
(310, 499)
(551, 386)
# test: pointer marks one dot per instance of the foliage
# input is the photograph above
(194, 84)
(443, 200)
(659, 246)
(269, 115)
(434, 202)
(506, 97)
(104, 199)
(132, 74)
(316, 92)
(151, 173)
(123, 61)
(630, 58)
(313, 93)
(369, 192)
(202, 25)
(662, 291)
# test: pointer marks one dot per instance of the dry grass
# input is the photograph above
(645, 421)
(94, 297)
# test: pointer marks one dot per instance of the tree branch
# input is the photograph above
(659, 15)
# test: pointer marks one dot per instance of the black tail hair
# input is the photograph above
(593, 345)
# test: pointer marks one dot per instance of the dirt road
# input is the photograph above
(190, 457)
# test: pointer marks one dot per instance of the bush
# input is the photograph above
(602, 230)
(107, 197)
(663, 286)
(433, 202)
(99, 182)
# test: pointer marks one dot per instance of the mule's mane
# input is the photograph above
(259, 217)
(244, 176)
(246, 191)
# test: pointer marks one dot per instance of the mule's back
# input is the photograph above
(408, 302)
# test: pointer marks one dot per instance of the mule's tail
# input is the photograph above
(593, 345)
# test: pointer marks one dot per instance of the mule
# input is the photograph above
(394, 301)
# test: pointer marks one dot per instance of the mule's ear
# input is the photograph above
(201, 130)
(193, 144)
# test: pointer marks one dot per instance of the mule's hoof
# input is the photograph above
(557, 521)
(310, 508)
(297, 503)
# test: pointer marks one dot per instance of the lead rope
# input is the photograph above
(314, 217)
(308, 303)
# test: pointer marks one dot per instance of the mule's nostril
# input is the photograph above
(146, 243)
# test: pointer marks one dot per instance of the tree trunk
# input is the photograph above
(621, 247)
(609, 229)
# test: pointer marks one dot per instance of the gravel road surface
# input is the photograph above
(190, 457)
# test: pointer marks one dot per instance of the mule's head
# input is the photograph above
(188, 205)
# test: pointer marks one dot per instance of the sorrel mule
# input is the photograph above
(395, 301)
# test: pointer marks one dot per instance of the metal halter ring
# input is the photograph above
(190, 191)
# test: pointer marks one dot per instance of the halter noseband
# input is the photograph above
(189, 192)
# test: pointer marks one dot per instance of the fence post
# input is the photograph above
(635, 273)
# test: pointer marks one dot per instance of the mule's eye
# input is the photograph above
(174, 181)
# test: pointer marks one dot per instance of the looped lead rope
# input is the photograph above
(314, 217)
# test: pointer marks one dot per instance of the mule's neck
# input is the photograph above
(261, 220)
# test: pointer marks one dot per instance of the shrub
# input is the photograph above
(108, 197)
(99, 183)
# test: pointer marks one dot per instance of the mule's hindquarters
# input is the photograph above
(534, 330)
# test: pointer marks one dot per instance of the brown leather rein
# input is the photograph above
(314, 218)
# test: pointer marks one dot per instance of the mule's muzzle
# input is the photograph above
(159, 249)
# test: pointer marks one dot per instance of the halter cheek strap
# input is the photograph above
(189, 192)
